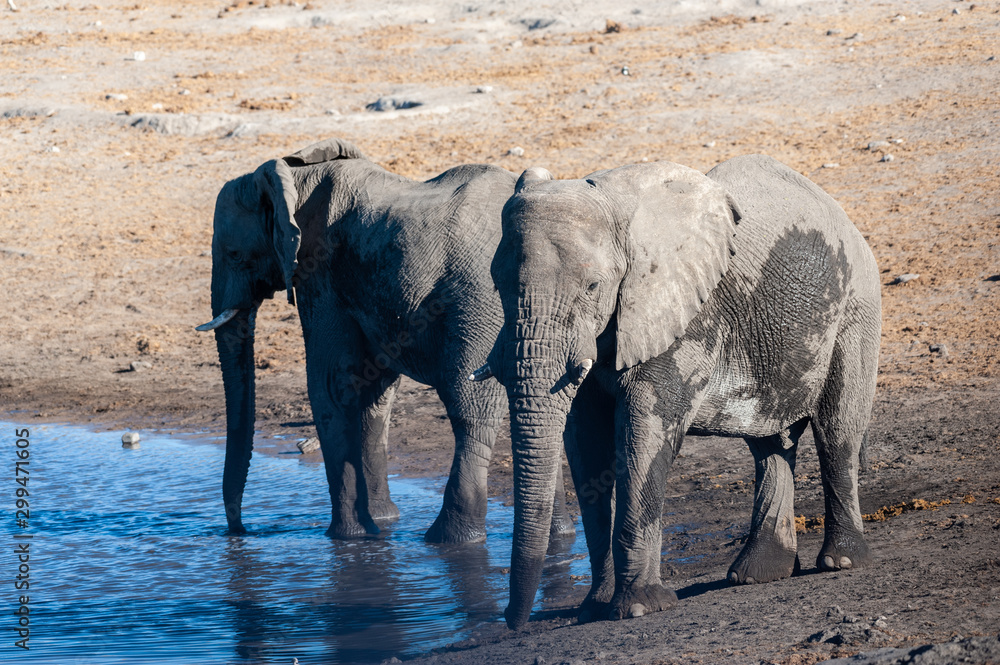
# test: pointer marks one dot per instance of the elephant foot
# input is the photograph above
(596, 605)
(236, 529)
(562, 527)
(383, 510)
(448, 529)
(640, 600)
(842, 551)
(351, 530)
(763, 561)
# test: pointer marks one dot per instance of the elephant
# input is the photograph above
(650, 301)
(390, 277)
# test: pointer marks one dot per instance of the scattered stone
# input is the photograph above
(139, 56)
(537, 23)
(856, 37)
(939, 349)
(516, 151)
(130, 440)
(116, 96)
(52, 148)
(896, 141)
(832, 32)
(904, 278)
(309, 445)
(898, 18)
(140, 365)
(332, 112)
(430, 20)
(968, 650)
(828, 636)
(955, 11)
(710, 144)
(887, 158)
(611, 27)
(831, 165)
(184, 92)
(484, 89)
(875, 145)
(625, 71)
(383, 104)
(157, 106)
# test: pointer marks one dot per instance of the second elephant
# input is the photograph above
(650, 301)
(392, 278)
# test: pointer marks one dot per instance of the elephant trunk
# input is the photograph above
(540, 391)
(234, 341)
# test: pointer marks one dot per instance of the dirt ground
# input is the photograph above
(121, 120)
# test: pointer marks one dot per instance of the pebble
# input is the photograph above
(875, 145)
(309, 445)
(185, 91)
(516, 151)
(625, 71)
(896, 141)
(887, 158)
(857, 36)
(940, 349)
(710, 144)
(117, 96)
(140, 365)
(139, 56)
(831, 165)
(898, 18)
(904, 278)
(157, 107)
(832, 32)
(130, 440)
(955, 11)
(484, 89)
(52, 149)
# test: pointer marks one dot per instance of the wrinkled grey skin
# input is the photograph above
(391, 277)
(637, 310)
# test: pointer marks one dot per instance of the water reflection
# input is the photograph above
(130, 562)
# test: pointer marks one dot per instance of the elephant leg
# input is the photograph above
(590, 449)
(475, 411)
(770, 551)
(340, 386)
(840, 427)
(562, 528)
(648, 436)
(374, 449)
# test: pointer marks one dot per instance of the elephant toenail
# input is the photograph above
(751, 580)
(636, 610)
(845, 562)
(828, 563)
(734, 578)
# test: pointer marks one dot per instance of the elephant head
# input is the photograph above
(595, 275)
(254, 254)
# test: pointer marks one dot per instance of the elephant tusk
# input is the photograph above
(583, 369)
(221, 319)
(481, 374)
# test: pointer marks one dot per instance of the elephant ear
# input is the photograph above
(679, 237)
(274, 179)
(324, 151)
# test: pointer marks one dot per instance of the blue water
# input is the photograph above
(130, 561)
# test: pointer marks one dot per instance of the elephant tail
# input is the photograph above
(324, 151)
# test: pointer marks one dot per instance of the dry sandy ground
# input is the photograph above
(111, 162)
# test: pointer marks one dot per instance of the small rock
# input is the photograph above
(52, 148)
(116, 96)
(140, 365)
(850, 618)
(185, 92)
(392, 104)
(484, 89)
(880, 623)
(955, 11)
(832, 32)
(898, 18)
(516, 151)
(710, 144)
(887, 158)
(857, 36)
(139, 56)
(875, 145)
(896, 141)
(904, 278)
(130, 437)
(939, 349)
(309, 445)
(430, 20)
(834, 612)
(625, 71)
(157, 107)
(831, 165)
(332, 112)
(539, 660)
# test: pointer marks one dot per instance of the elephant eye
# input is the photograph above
(593, 286)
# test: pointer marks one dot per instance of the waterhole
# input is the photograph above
(129, 561)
